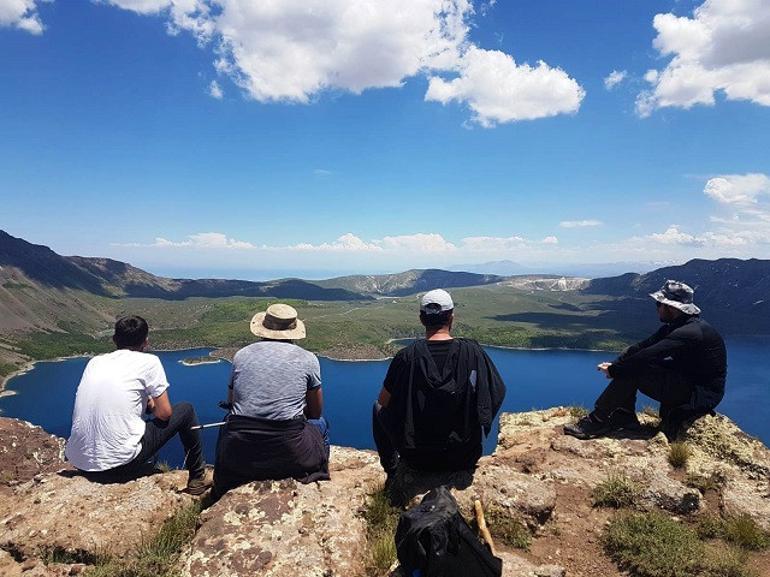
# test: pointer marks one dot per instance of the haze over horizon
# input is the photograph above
(227, 138)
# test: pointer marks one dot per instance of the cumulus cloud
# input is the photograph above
(215, 91)
(201, 240)
(673, 235)
(294, 50)
(499, 90)
(614, 78)
(738, 188)
(723, 48)
(744, 220)
(580, 223)
(21, 14)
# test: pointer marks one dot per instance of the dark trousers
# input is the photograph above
(618, 400)
(383, 440)
(156, 434)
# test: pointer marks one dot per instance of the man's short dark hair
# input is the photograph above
(436, 319)
(130, 331)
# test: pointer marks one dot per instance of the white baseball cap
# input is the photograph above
(436, 301)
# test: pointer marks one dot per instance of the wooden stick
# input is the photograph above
(483, 529)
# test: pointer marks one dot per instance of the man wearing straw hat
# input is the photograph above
(275, 429)
(683, 365)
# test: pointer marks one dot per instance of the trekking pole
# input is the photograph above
(483, 529)
(207, 426)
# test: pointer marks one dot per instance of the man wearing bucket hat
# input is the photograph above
(275, 429)
(683, 365)
(439, 397)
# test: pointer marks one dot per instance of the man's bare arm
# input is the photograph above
(161, 406)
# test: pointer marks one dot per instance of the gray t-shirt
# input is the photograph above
(271, 378)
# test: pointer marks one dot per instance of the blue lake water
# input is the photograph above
(535, 379)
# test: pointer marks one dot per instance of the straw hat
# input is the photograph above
(279, 321)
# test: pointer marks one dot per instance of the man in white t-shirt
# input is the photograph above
(110, 440)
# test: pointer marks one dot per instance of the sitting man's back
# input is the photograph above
(110, 440)
(439, 398)
(275, 429)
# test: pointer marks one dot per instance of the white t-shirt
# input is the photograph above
(107, 424)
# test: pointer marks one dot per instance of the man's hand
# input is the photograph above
(605, 368)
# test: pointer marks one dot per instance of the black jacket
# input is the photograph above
(251, 449)
(437, 417)
(690, 346)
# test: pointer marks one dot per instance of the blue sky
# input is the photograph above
(222, 137)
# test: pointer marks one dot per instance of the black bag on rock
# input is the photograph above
(433, 540)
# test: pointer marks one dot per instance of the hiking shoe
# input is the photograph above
(198, 484)
(589, 427)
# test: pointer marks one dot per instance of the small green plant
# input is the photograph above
(616, 491)
(510, 529)
(709, 526)
(743, 531)
(381, 520)
(704, 483)
(163, 467)
(156, 557)
(578, 411)
(654, 545)
(678, 455)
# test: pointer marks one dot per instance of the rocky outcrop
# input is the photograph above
(25, 452)
(65, 512)
(537, 476)
(285, 528)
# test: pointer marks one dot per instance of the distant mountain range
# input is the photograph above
(42, 289)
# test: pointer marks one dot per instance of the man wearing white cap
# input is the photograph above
(683, 365)
(275, 429)
(439, 397)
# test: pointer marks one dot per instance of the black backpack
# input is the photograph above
(433, 540)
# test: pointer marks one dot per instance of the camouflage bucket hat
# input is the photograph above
(678, 295)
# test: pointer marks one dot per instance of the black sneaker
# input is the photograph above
(589, 427)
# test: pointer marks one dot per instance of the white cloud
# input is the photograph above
(346, 243)
(723, 47)
(614, 78)
(215, 91)
(294, 50)
(580, 223)
(673, 235)
(493, 244)
(498, 90)
(738, 188)
(21, 14)
(201, 240)
(550, 240)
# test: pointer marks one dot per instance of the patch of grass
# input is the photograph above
(577, 411)
(703, 483)
(53, 345)
(616, 491)
(709, 526)
(163, 467)
(740, 530)
(7, 369)
(510, 529)
(156, 557)
(678, 455)
(743, 531)
(381, 520)
(654, 545)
